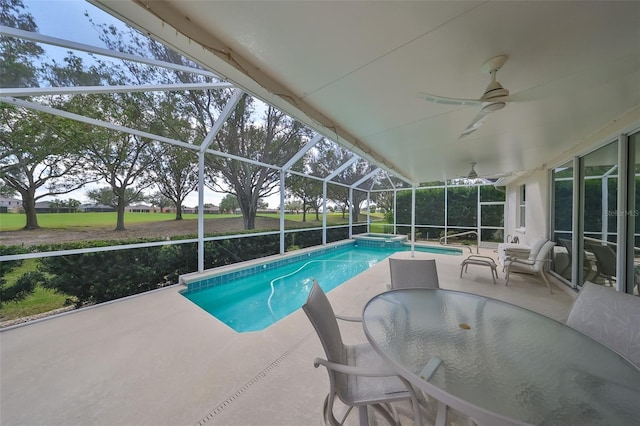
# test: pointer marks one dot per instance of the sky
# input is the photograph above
(65, 19)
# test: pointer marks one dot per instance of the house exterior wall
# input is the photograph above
(538, 183)
(536, 207)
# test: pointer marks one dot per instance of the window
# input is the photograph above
(522, 206)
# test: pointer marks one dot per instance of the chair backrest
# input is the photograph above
(320, 313)
(541, 257)
(606, 259)
(567, 244)
(408, 273)
(609, 317)
(536, 247)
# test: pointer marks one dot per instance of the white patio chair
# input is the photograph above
(408, 273)
(357, 374)
(531, 265)
(610, 317)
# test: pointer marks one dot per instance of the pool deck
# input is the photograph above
(157, 359)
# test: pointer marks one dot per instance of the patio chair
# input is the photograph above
(605, 262)
(512, 250)
(610, 317)
(588, 260)
(531, 266)
(357, 374)
(567, 244)
(408, 273)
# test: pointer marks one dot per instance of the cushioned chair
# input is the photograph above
(531, 265)
(508, 251)
(357, 374)
(407, 273)
(610, 317)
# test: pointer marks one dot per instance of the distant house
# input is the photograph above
(48, 207)
(10, 205)
(95, 208)
(194, 210)
(141, 208)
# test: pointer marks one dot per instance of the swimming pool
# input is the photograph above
(252, 299)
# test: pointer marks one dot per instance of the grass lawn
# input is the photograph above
(15, 221)
(42, 299)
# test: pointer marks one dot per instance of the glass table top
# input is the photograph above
(502, 358)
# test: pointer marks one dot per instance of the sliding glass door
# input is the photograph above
(599, 240)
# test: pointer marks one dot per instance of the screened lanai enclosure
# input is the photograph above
(134, 118)
(387, 130)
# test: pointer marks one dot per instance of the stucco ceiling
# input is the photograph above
(354, 69)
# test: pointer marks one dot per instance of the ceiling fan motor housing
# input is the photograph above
(494, 90)
(492, 106)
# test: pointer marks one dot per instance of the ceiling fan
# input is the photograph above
(493, 99)
(474, 176)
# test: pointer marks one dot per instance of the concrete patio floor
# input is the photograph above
(157, 359)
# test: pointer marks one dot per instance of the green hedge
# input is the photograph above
(103, 276)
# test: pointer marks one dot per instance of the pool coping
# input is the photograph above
(196, 281)
(215, 276)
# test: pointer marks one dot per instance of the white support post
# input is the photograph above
(395, 211)
(368, 211)
(201, 211)
(324, 212)
(446, 211)
(479, 218)
(282, 183)
(350, 212)
(604, 201)
(624, 253)
(413, 220)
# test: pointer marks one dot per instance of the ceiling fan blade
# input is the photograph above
(449, 101)
(477, 122)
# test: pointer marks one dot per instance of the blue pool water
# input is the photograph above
(254, 302)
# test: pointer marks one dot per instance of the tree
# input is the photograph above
(40, 152)
(262, 204)
(228, 204)
(37, 152)
(176, 175)
(308, 190)
(108, 197)
(273, 143)
(158, 200)
(120, 159)
(69, 205)
(19, 57)
(6, 191)
(329, 157)
(293, 205)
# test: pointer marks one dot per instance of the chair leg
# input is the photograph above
(544, 277)
(441, 418)
(364, 415)
(329, 417)
(507, 276)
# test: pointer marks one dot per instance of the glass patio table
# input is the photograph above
(499, 363)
